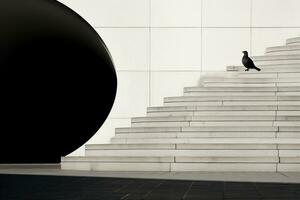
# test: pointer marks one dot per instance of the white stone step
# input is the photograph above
(201, 129)
(287, 134)
(161, 123)
(173, 111)
(205, 119)
(288, 113)
(232, 123)
(116, 166)
(129, 146)
(147, 135)
(254, 74)
(234, 113)
(218, 98)
(169, 113)
(204, 143)
(293, 41)
(119, 159)
(199, 103)
(286, 123)
(267, 159)
(276, 59)
(204, 116)
(194, 152)
(144, 143)
(205, 81)
(284, 102)
(289, 75)
(268, 68)
(282, 57)
(288, 167)
(215, 122)
(289, 128)
(207, 94)
(147, 129)
(232, 103)
(244, 134)
(289, 107)
(229, 87)
(230, 128)
(283, 50)
(209, 108)
(224, 167)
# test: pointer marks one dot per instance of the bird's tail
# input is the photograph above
(256, 68)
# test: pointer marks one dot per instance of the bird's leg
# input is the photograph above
(247, 69)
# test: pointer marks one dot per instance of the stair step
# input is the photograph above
(204, 119)
(205, 81)
(242, 159)
(119, 159)
(281, 57)
(225, 167)
(283, 50)
(210, 108)
(209, 115)
(129, 146)
(116, 166)
(293, 41)
(218, 98)
(232, 103)
(231, 128)
(209, 94)
(201, 143)
(200, 129)
(244, 134)
(255, 74)
(236, 123)
(232, 88)
(268, 68)
(183, 152)
(276, 59)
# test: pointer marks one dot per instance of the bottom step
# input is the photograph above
(181, 167)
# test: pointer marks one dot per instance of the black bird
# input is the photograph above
(248, 63)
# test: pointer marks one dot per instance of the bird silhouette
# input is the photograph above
(248, 63)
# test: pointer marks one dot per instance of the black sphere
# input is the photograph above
(58, 81)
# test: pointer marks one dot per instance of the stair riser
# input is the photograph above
(208, 135)
(248, 80)
(206, 94)
(198, 153)
(130, 159)
(283, 52)
(276, 62)
(224, 167)
(171, 114)
(183, 167)
(129, 146)
(293, 41)
(212, 108)
(205, 129)
(203, 146)
(218, 120)
(88, 166)
(230, 88)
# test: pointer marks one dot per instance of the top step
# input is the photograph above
(293, 41)
(283, 50)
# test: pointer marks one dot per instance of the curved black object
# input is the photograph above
(58, 81)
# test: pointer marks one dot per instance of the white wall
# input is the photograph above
(160, 46)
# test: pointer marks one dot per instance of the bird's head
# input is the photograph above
(245, 52)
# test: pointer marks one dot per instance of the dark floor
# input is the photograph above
(27, 187)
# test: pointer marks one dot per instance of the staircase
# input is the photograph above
(234, 121)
